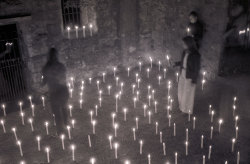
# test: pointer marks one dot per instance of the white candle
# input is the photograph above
(43, 101)
(138, 83)
(238, 157)
(236, 120)
(160, 137)
(89, 139)
(140, 63)
(109, 88)
(3, 125)
(91, 115)
(186, 144)
(84, 31)
(210, 151)
(159, 64)
(189, 116)
(176, 158)
(90, 79)
(155, 106)
(202, 141)
(116, 102)
(98, 84)
(46, 126)
(127, 162)
(151, 61)
(134, 99)
(113, 115)
(141, 144)
(4, 111)
(128, 71)
(212, 116)
(165, 71)
(134, 136)
(115, 128)
(100, 102)
(149, 117)
(69, 134)
(47, 149)
(136, 77)
(31, 124)
(211, 132)
(148, 70)
(62, 139)
(194, 119)
(159, 80)
(14, 131)
(76, 27)
(114, 70)
(21, 106)
(220, 122)
(186, 134)
(174, 129)
(136, 122)
(137, 95)
(73, 152)
(81, 101)
(22, 117)
(68, 30)
(116, 145)
(92, 160)
(70, 110)
(235, 99)
(233, 143)
(33, 110)
(110, 141)
(30, 98)
(202, 85)
(177, 77)
(149, 159)
(149, 100)
(103, 76)
(204, 159)
(153, 94)
(125, 114)
(94, 124)
(169, 120)
(90, 28)
(210, 109)
(20, 147)
(156, 128)
(38, 138)
(236, 131)
(164, 148)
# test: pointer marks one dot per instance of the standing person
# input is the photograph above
(54, 75)
(190, 68)
(195, 28)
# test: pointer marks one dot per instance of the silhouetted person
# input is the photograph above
(54, 75)
(195, 28)
(190, 68)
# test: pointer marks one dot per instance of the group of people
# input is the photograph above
(54, 75)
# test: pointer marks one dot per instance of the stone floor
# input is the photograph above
(219, 93)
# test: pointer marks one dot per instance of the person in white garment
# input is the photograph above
(189, 73)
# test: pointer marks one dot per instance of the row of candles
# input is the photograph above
(115, 125)
(77, 29)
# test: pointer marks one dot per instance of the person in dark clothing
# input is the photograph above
(190, 68)
(195, 28)
(54, 76)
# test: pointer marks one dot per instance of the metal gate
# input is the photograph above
(12, 84)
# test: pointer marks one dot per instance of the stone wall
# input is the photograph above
(136, 30)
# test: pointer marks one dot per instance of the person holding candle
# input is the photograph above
(190, 68)
(54, 74)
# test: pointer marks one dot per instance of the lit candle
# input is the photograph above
(20, 147)
(233, 143)
(113, 115)
(38, 138)
(76, 27)
(127, 162)
(68, 30)
(176, 158)
(235, 99)
(211, 132)
(141, 144)
(202, 141)
(149, 100)
(236, 131)
(46, 126)
(100, 102)
(33, 110)
(177, 77)
(92, 160)
(94, 123)
(43, 101)
(114, 69)
(73, 152)
(149, 159)
(90, 28)
(69, 134)
(160, 136)
(115, 128)
(159, 64)
(90, 79)
(186, 134)
(148, 70)
(81, 101)
(189, 116)
(109, 88)
(140, 63)
(169, 87)
(194, 119)
(91, 115)
(210, 109)
(169, 120)
(168, 59)
(220, 122)
(137, 95)
(238, 157)
(22, 116)
(204, 159)
(89, 139)
(128, 71)
(21, 106)
(4, 111)
(186, 143)
(133, 129)
(236, 120)
(31, 124)
(165, 71)
(62, 139)
(125, 114)
(14, 132)
(30, 98)
(174, 129)
(155, 106)
(164, 148)
(116, 145)
(47, 149)
(3, 125)
(136, 77)
(156, 128)
(84, 31)
(153, 94)
(138, 83)
(134, 99)
(202, 85)
(234, 109)
(73, 123)
(136, 122)
(212, 116)
(151, 61)
(159, 80)
(110, 141)
(210, 151)
(116, 102)
(98, 84)
(149, 117)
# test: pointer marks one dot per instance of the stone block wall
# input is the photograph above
(155, 29)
